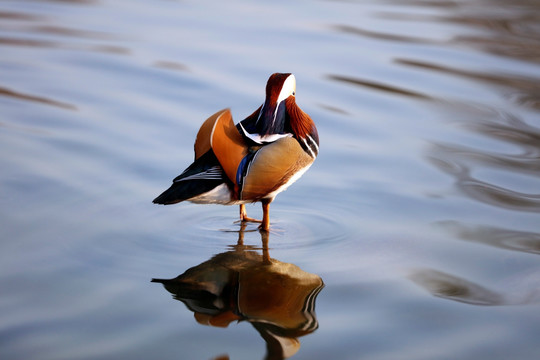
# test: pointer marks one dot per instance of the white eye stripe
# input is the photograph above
(288, 88)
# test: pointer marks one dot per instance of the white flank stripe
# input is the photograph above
(214, 173)
(314, 143)
(309, 148)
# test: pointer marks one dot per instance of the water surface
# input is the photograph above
(420, 215)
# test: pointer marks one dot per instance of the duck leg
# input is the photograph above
(265, 225)
(243, 215)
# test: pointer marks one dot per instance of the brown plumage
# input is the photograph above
(252, 161)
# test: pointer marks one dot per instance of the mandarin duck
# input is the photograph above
(251, 161)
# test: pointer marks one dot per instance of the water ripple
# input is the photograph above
(452, 287)
(43, 32)
(508, 239)
(381, 36)
(33, 98)
(290, 229)
(379, 86)
(512, 33)
(455, 288)
(484, 191)
(524, 90)
(461, 160)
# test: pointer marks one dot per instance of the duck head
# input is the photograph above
(279, 117)
(272, 117)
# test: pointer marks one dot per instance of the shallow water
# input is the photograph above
(420, 215)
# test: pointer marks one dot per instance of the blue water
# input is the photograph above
(421, 215)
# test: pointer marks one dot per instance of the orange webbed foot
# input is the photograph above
(265, 222)
(250, 219)
(244, 217)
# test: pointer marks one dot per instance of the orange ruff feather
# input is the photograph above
(228, 144)
(202, 141)
(301, 123)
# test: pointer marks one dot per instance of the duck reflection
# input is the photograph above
(277, 298)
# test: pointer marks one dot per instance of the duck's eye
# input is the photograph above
(293, 93)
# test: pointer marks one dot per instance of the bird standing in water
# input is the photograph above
(253, 161)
